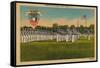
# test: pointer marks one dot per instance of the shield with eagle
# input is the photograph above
(33, 16)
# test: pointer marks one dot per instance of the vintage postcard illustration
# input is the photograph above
(48, 33)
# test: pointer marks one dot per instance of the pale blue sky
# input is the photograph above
(54, 13)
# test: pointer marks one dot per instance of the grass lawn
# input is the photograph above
(51, 50)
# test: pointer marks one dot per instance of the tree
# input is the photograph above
(26, 28)
(81, 29)
(38, 27)
(63, 27)
(91, 28)
(72, 26)
(55, 27)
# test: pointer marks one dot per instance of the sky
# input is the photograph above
(61, 16)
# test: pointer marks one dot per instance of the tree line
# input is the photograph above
(82, 29)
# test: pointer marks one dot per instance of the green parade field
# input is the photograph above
(52, 50)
